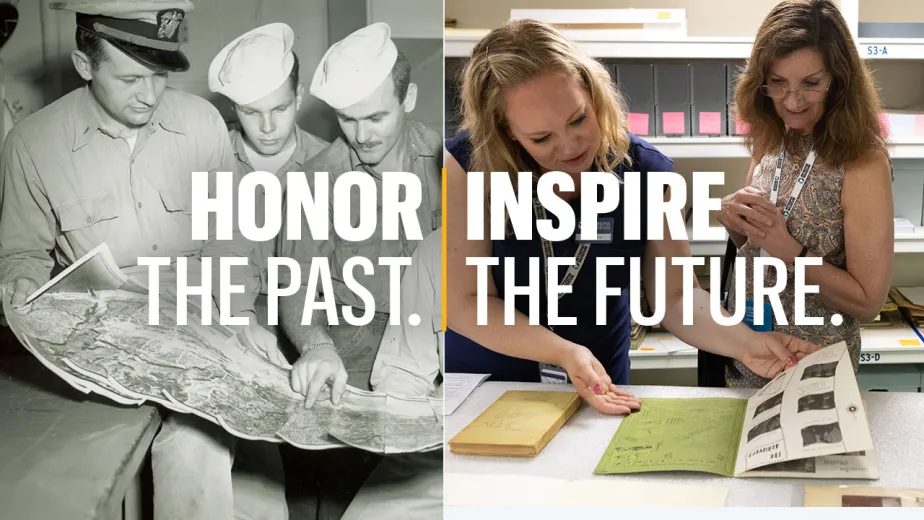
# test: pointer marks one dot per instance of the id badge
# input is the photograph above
(605, 227)
(552, 373)
(766, 325)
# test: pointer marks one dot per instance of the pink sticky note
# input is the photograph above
(710, 122)
(638, 123)
(919, 125)
(741, 128)
(884, 124)
(673, 123)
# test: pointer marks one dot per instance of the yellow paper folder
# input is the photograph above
(519, 424)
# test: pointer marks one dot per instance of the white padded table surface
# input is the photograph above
(896, 423)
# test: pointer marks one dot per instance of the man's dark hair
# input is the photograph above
(293, 75)
(401, 75)
(91, 45)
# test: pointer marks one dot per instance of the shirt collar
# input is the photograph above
(413, 140)
(298, 155)
(88, 119)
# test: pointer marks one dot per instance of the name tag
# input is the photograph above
(604, 232)
(549, 373)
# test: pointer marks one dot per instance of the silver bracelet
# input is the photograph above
(316, 345)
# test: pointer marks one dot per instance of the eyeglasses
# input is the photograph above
(810, 94)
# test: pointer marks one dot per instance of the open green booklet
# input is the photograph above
(808, 422)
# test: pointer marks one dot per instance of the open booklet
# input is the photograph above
(808, 422)
(90, 326)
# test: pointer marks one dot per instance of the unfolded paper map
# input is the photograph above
(808, 422)
(90, 326)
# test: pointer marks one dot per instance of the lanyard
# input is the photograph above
(572, 273)
(797, 187)
(553, 373)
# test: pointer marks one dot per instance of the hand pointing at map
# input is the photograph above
(314, 368)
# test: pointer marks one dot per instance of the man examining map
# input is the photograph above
(258, 73)
(368, 84)
(366, 81)
(111, 163)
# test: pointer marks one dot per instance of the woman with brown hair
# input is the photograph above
(533, 102)
(814, 134)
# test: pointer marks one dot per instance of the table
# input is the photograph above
(897, 426)
(64, 454)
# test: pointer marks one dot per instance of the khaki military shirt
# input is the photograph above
(423, 157)
(410, 358)
(306, 147)
(69, 184)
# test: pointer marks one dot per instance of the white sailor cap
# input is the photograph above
(354, 67)
(253, 65)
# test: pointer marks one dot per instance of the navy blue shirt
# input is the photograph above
(610, 342)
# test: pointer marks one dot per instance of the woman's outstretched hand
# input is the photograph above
(615, 401)
(770, 353)
(592, 383)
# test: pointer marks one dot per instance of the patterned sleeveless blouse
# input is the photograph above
(816, 221)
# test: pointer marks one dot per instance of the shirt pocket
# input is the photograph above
(173, 227)
(370, 249)
(85, 212)
(175, 200)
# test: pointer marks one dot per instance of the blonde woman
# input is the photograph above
(533, 102)
(811, 103)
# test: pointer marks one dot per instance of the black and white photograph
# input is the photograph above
(109, 107)
(820, 371)
(823, 401)
(769, 404)
(829, 433)
(771, 424)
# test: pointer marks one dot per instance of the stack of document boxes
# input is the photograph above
(670, 98)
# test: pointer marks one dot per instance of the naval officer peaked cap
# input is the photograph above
(354, 67)
(146, 30)
(254, 64)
